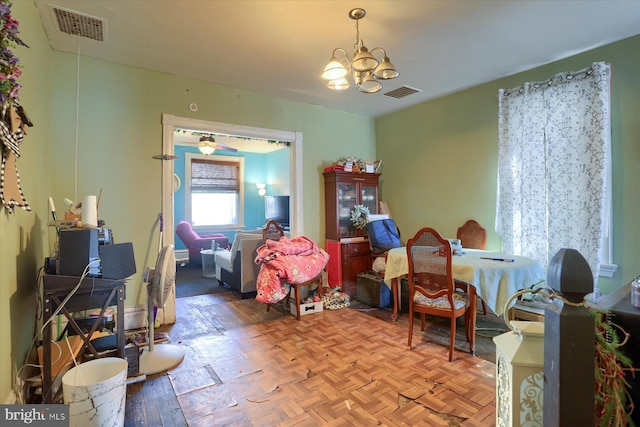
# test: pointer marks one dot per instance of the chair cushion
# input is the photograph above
(459, 301)
(379, 264)
(223, 260)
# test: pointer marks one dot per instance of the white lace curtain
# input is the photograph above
(554, 157)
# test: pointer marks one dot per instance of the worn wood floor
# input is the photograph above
(247, 367)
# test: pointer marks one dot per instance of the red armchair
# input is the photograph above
(195, 243)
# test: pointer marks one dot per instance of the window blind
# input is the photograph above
(214, 176)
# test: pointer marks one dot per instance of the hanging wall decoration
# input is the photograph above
(359, 216)
(13, 118)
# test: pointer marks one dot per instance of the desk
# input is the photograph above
(494, 281)
(92, 293)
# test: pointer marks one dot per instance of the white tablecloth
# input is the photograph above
(494, 281)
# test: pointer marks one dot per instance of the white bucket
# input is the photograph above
(95, 392)
(208, 263)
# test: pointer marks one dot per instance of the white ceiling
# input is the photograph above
(280, 48)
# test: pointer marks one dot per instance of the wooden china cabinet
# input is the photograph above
(348, 247)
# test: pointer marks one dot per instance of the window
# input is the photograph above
(554, 172)
(214, 194)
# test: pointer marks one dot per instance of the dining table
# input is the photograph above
(496, 276)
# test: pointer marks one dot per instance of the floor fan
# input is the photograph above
(160, 280)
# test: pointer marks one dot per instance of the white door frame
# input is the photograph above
(169, 123)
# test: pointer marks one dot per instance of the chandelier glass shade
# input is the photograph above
(338, 84)
(366, 70)
(207, 145)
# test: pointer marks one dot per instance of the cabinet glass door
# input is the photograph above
(370, 198)
(347, 199)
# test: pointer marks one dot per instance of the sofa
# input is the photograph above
(236, 267)
(195, 242)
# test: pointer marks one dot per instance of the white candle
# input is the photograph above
(52, 207)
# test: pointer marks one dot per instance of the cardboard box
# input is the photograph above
(526, 313)
(61, 357)
(306, 308)
(135, 317)
(371, 290)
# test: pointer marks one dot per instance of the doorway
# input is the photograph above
(170, 123)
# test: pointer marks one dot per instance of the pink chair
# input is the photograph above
(195, 242)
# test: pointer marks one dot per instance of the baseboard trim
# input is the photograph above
(182, 255)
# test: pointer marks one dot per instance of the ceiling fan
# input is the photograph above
(208, 145)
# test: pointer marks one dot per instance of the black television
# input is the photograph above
(277, 208)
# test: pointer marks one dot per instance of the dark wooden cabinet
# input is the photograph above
(347, 260)
(355, 260)
(347, 246)
(342, 191)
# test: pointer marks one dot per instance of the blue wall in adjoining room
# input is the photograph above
(270, 168)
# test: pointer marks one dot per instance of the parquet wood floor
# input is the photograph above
(247, 367)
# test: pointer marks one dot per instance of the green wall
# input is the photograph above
(25, 238)
(440, 157)
(119, 130)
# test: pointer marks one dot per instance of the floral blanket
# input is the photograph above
(287, 261)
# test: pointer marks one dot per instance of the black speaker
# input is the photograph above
(50, 265)
(77, 248)
(117, 261)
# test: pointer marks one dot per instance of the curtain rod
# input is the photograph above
(557, 79)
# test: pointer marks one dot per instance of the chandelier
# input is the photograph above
(366, 69)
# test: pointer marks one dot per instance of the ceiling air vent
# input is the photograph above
(78, 24)
(403, 91)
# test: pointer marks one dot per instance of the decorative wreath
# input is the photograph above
(13, 118)
(359, 215)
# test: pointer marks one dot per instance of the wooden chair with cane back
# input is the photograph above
(473, 236)
(432, 289)
(272, 231)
